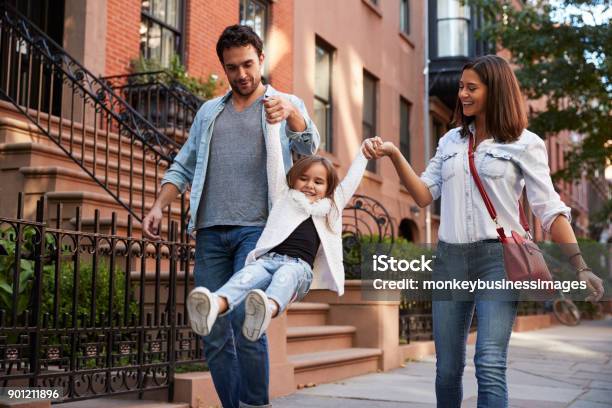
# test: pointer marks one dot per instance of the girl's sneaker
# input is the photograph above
(257, 315)
(203, 310)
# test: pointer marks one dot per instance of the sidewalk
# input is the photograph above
(558, 367)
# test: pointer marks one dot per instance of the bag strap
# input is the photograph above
(485, 196)
(483, 193)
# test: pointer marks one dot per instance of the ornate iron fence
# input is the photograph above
(365, 222)
(95, 314)
(160, 99)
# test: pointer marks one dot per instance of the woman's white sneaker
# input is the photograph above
(203, 310)
(257, 315)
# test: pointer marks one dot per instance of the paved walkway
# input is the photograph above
(558, 367)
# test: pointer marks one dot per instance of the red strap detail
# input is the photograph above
(485, 196)
(523, 218)
(483, 193)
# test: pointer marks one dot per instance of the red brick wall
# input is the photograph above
(280, 46)
(122, 37)
(204, 22)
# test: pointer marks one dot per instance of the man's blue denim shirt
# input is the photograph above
(190, 164)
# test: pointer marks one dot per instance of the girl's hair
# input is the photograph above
(303, 164)
(505, 116)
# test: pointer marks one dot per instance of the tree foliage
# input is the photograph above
(563, 53)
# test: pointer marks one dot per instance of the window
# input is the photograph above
(161, 30)
(453, 23)
(254, 13)
(405, 128)
(405, 16)
(323, 93)
(370, 105)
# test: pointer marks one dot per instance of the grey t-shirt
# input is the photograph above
(236, 186)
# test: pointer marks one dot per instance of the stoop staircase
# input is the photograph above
(67, 134)
(323, 353)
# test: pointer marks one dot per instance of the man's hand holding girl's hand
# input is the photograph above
(278, 109)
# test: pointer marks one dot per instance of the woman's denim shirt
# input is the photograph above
(505, 169)
(190, 164)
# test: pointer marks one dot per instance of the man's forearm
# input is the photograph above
(167, 194)
(296, 121)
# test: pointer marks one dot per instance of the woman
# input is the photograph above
(508, 157)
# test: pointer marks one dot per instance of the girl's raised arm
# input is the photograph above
(277, 180)
(351, 181)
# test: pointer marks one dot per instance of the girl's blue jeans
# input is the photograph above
(452, 319)
(282, 278)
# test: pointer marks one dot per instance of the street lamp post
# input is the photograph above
(426, 112)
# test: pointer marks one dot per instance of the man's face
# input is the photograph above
(243, 68)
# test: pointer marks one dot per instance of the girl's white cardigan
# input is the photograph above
(291, 207)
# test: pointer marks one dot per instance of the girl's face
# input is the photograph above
(472, 93)
(313, 182)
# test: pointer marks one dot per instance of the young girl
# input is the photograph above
(491, 118)
(302, 234)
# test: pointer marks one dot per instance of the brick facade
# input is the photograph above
(204, 22)
(122, 35)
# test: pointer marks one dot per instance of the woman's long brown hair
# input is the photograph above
(505, 115)
(303, 164)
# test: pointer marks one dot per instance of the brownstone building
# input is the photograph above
(359, 66)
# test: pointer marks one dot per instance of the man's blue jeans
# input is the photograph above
(452, 318)
(239, 367)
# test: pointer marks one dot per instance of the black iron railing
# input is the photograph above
(159, 98)
(118, 148)
(94, 314)
(366, 224)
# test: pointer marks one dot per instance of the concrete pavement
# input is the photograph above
(558, 367)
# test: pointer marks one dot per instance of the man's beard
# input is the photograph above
(236, 88)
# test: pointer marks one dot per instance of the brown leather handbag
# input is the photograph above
(523, 259)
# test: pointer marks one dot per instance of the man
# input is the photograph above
(224, 160)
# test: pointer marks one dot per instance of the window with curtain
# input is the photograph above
(453, 26)
(161, 30)
(323, 92)
(254, 13)
(370, 110)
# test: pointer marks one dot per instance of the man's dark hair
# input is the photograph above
(238, 36)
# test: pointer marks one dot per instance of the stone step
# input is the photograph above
(303, 339)
(14, 127)
(123, 403)
(307, 314)
(29, 153)
(327, 366)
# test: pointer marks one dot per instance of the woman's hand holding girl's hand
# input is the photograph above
(368, 148)
(386, 149)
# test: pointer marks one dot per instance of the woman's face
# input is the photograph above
(472, 93)
(313, 182)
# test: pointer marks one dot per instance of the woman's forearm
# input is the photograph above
(562, 233)
(413, 183)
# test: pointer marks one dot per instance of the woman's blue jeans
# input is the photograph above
(452, 317)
